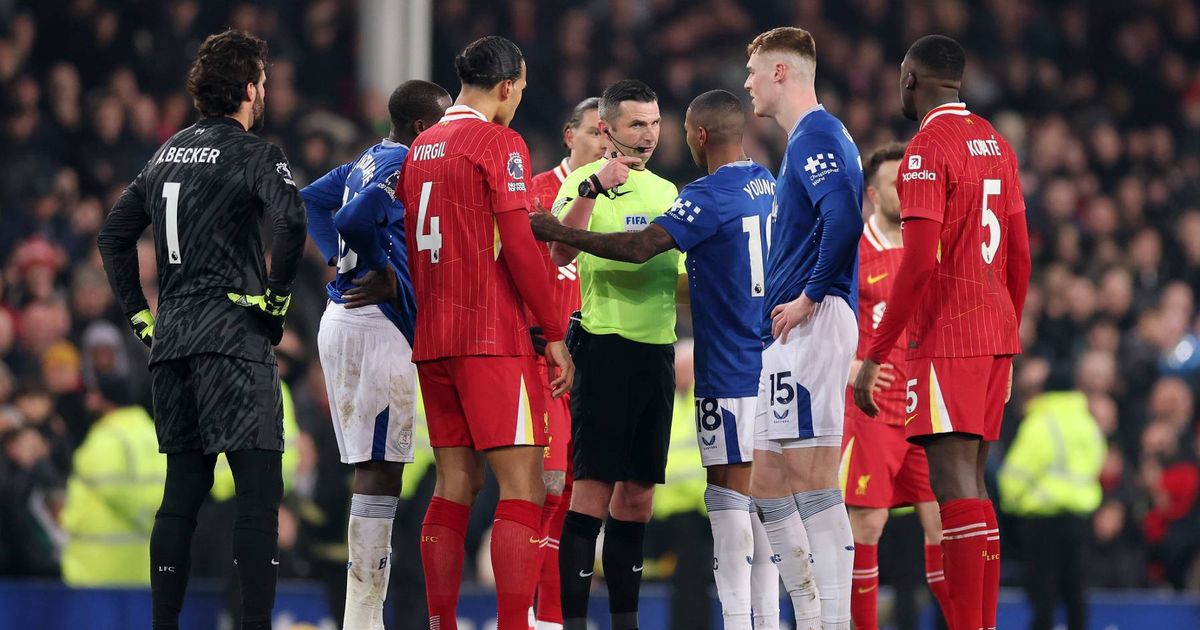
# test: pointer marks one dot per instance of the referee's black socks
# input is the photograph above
(576, 563)
(189, 479)
(623, 562)
(258, 476)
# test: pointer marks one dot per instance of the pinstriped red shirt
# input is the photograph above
(460, 174)
(564, 281)
(960, 172)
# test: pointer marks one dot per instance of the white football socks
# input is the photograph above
(370, 546)
(832, 540)
(789, 541)
(733, 552)
(764, 580)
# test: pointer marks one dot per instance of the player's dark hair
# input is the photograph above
(488, 61)
(887, 153)
(576, 117)
(940, 56)
(584, 106)
(225, 63)
(721, 114)
(416, 100)
(621, 91)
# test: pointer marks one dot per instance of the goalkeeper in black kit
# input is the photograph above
(213, 374)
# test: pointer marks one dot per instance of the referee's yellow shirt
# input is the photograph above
(634, 301)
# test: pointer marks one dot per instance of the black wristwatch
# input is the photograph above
(590, 188)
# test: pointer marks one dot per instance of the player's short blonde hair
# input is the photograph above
(785, 39)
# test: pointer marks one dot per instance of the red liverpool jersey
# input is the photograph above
(458, 175)
(878, 263)
(960, 172)
(565, 279)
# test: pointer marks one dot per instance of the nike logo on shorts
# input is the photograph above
(637, 569)
(586, 575)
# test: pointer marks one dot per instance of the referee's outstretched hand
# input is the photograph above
(558, 357)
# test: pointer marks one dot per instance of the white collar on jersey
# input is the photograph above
(392, 144)
(562, 170)
(462, 112)
(745, 162)
(803, 116)
(956, 109)
(875, 236)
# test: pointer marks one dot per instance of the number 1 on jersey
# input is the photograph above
(751, 225)
(428, 241)
(171, 194)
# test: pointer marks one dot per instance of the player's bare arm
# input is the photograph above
(633, 247)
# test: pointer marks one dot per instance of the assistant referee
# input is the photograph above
(212, 368)
(625, 363)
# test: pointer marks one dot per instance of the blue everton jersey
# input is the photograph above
(720, 221)
(817, 219)
(354, 217)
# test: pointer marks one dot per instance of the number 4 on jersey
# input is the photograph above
(430, 241)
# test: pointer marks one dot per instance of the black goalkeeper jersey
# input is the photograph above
(204, 192)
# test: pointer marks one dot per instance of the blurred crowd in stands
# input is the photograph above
(1100, 99)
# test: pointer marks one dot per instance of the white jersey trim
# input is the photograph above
(462, 112)
(956, 109)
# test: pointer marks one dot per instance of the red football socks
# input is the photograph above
(549, 595)
(864, 598)
(442, 534)
(964, 544)
(935, 576)
(516, 537)
(991, 566)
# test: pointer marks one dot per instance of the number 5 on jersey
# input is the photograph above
(430, 241)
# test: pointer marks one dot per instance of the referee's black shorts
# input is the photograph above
(621, 409)
(216, 403)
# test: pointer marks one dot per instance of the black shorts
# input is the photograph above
(215, 404)
(621, 409)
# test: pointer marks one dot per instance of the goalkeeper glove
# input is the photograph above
(270, 306)
(143, 326)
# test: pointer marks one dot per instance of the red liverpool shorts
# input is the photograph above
(956, 395)
(880, 468)
(483, 402)
(558, 414)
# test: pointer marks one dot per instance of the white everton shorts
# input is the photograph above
(372, 384)
(725, 430)
(802, 390)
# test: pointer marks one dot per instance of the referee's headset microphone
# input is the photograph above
(622, 144)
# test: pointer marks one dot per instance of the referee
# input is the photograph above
(624, 390)
(212, 367)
